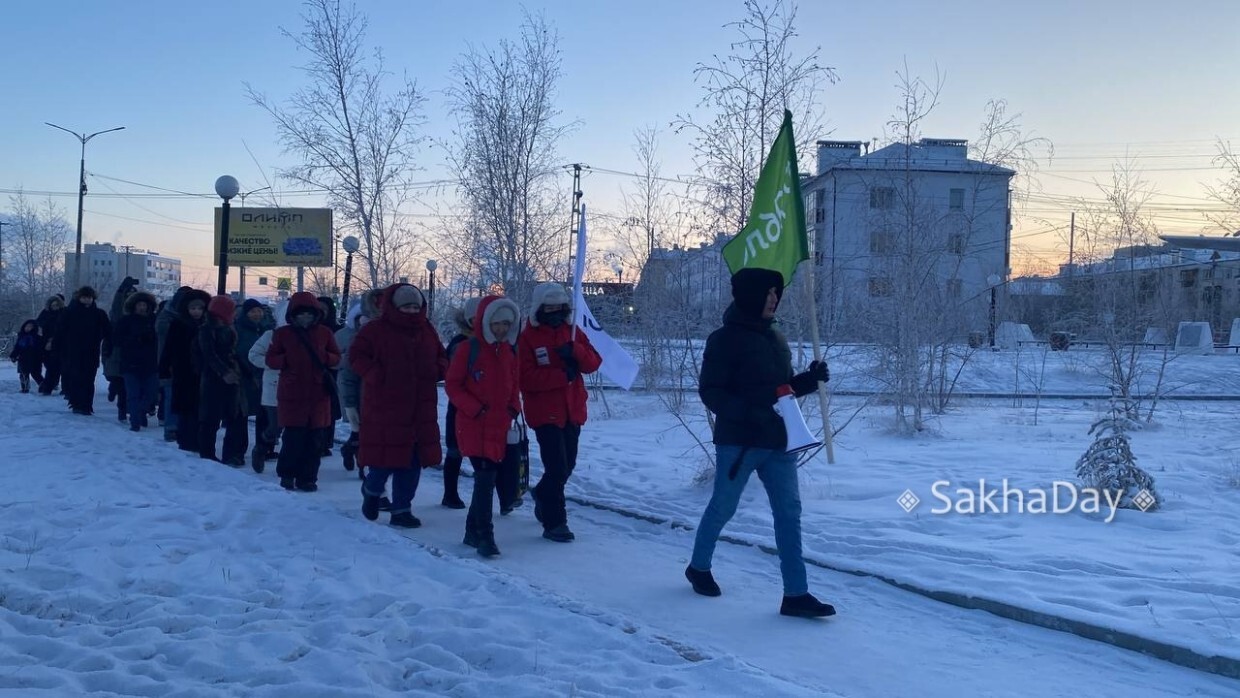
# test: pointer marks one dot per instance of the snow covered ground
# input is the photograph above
(131, 568)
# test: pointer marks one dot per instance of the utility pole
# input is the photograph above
(1072, 246)
(2, 224)
(576, 219)
(127, 249)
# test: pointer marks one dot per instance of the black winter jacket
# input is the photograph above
(80, 335)
(138, 344)
(745, 361)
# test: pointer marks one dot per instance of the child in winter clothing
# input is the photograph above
(28, 355)
(552, 362)
(401, 361)
(464, 319)
(484, 389)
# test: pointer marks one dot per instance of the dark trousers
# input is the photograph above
(187, 429)
(479, 518)
(51, 364)
(79, 384)
(507, 478)
(236, 436)
(558, 446)
(451, 462)
(404, 484)
(25, 376)
(261, 424)
(142, 391)
(117, 387)
(300, 452)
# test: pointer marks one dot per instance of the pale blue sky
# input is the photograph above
(1097, 78)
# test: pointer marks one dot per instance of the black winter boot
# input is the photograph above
(703, 581)
(471, 538)
(559, 534)
(805, 606)
(405, 520)
(370, 506)
(257, 461)
(451, 477)
(348, 452)
(487, 547)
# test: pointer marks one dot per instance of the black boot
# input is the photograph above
(703, 581)
(348, 452)
(257, 461)
(370, 505)
(559, 534)
(805, 606)
(487, 547)
(404, 520)
(451, 476)
(471, 538)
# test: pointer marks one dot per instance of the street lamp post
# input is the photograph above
(77, 254)
(350, 245)
(226, 187)
(431, 265)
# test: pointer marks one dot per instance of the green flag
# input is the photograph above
(775, 236)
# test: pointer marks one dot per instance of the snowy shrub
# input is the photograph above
(1108, 464)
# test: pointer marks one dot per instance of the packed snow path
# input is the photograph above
(134, 569)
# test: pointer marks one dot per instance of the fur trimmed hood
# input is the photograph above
(463, 317)
(141, 296)
(549, 293)
(488, 308)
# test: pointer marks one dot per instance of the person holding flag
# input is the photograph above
(553, 359)
(747, 364)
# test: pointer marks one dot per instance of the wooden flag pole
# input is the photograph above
(824, 401)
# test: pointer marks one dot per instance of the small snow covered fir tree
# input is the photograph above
(1108, 464)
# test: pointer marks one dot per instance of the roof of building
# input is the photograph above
(927, 155)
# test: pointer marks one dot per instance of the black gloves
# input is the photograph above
(571, 367)
(807, 382)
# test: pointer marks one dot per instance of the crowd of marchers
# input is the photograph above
(200, 364)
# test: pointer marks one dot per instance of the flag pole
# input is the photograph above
(824, 401)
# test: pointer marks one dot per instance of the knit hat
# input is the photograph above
(222, 308)
(249, 305)
(407, 295)
(86, 292)
(750, 286)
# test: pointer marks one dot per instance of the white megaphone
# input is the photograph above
(799, 436)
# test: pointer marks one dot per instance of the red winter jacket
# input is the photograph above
(485, 394)
(550, 400)
(302, 398)
(400, 361)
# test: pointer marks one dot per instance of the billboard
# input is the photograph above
(277, 237)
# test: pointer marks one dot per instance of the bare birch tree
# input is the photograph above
(745, 95)
(504, 157)
(35, 244)
(1227, 190)
(356, 137)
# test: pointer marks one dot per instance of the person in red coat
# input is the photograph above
(552, 362)
(482, 386)
(302, 351)
(400, 361)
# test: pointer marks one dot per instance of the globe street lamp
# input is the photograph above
(77, 254)
(227, 187)
(350, 245)
(431, 265)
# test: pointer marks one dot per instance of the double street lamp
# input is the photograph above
(84, 138)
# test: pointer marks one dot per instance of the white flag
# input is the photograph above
(617, 366)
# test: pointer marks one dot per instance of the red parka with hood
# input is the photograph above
(302, 395)
(486, 394)
(400, 361)
(550, 398)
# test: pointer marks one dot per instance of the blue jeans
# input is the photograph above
(404, 484)
(170, 417)
(140, 392)
(778, 472)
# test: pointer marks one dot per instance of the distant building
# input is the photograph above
(693, 283)
(926, 200)
(104, 266)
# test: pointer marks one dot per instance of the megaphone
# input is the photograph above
(799, 436)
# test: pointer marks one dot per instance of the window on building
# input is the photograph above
(954, 289)
(1188, 278)
(955, 200)
(819, 215)
(880, 286)
(882, 242)
(955, 243)
(882, 198)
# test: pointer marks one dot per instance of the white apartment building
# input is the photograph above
(104, 266)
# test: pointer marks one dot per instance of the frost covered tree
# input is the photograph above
(1108, 465)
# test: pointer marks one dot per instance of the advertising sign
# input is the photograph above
(277, 237)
